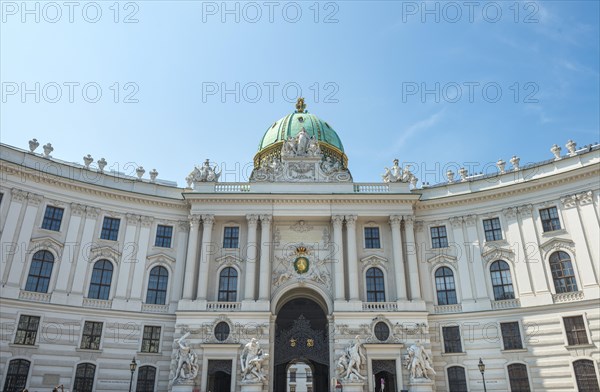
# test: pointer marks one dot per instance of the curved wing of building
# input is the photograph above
(300, 279)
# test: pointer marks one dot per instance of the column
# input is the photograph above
(475, 249)
(337, 253)
(9, 238)
(535, 263)
(250, 273)
(87, 237)
(398, 257)
(265, 254)
(69, 256)
(464, 277)
(127, 255)
(207, 226)
(178, 278)
(513, 237)
(352, 258)
(190, 261)
(413, 267)
(583, 261)
(139, 268)
(590, 226)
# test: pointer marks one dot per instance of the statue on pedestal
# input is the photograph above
(187, 361)
(252, 359)
(419, 363)
(349, 363)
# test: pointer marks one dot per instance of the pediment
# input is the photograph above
(556, 244)
(105, 251)
(162, 258)
(229, 259)
(498, 254)
(442, 258)
(46, 243)
(373, 259)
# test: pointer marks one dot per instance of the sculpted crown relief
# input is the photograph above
(398, 174)
(204, 173)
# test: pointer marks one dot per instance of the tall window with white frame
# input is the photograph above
(110, 229)
(562, 271)
(52, 218)
(492, 229)
(585, 375)
(16, 375)
(84, 377)
(457, 381)
(372, 240)
(550, 219)
(445, 286)
(439, 237)
(518, 378)
(40, 272)
(511, 335)
(164, 235)
(157, 286)
(501, 280)
(228, 285)
(146, 379)
(151, 339)
(92, 334)
(27, 330)
(375, 285)
(101, 280)
(452, 342)
(231, 237)
(575, 330)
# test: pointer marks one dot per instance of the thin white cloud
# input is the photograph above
(418, 127)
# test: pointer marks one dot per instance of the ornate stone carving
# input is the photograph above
(301, 227)
(265, 220)
(585, 198)
(301, 145)
(18, 195)
(252, 219)
(77, 209)
(408, 221)
(450, 176)
(194, 219)
(317, 272)
(33, 144)
(139, 171)
(34, 199)
(146, 220)
(501, 165)
(456, 221)
(569, 201)
(252, 359)
(187, 361)
(419, 363)
(87, 161)
(350, 361)
(312, 166)
(571, 146)
(470, 220)
(101, 164)
(132, 219)
(48, 149)
(419, 226)
(555, 149)
(208, 219)
(92, 212)
(463, 174)
(514, 161)
(337, 220)
(183, 225)
(153, 174)
(395, 220)
(351, 220)
(525, 210)
(392, 337)
(204, 173)
(397, 174)
(510, 212)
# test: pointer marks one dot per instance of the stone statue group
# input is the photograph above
(251, 361)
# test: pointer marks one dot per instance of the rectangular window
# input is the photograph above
(163, 236)
(372, 238)
(452, 342)
(511, 336)
(575, 328)
(550, 220)
(52, 218)
(439, 238)
(231, 237)
(27, 330)
(151, 339)
(493, 231)
(292, 376)
(110, 229)
(92, 333)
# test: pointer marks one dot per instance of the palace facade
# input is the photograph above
(99, 268)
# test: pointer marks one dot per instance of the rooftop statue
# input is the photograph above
(397, 174)
(204, 173)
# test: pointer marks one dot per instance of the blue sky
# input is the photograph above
(385, 75)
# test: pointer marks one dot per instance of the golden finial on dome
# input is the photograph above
(300, 105)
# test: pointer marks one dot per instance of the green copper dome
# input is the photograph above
(290, 125)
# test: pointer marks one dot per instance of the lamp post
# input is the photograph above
(481, 367)
(132, 367)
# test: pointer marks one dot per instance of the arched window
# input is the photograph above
(375, 285)
(101, 278)
(145, 379)
(585, 374)
(562, 272)
(84, 378)
(457, 382)
(228, 285)
(445, 287)
(157, 286)
(16, 376)
(40, 272)
(501, 280)
(517, 376)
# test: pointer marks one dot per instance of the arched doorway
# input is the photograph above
(301, 337)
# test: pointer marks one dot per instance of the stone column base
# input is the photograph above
(254, 387)
(183, 388)
(353, 386)
(421, 385)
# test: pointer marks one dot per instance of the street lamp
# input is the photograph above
(481, 367)
(132, 367)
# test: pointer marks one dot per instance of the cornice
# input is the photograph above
(25, 174)
(309, 198)
(507, 191)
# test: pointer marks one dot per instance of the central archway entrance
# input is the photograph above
(301, 338)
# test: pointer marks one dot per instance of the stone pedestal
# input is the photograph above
(183, 388)
(420, 385)
(353, 386)
(252, 387)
